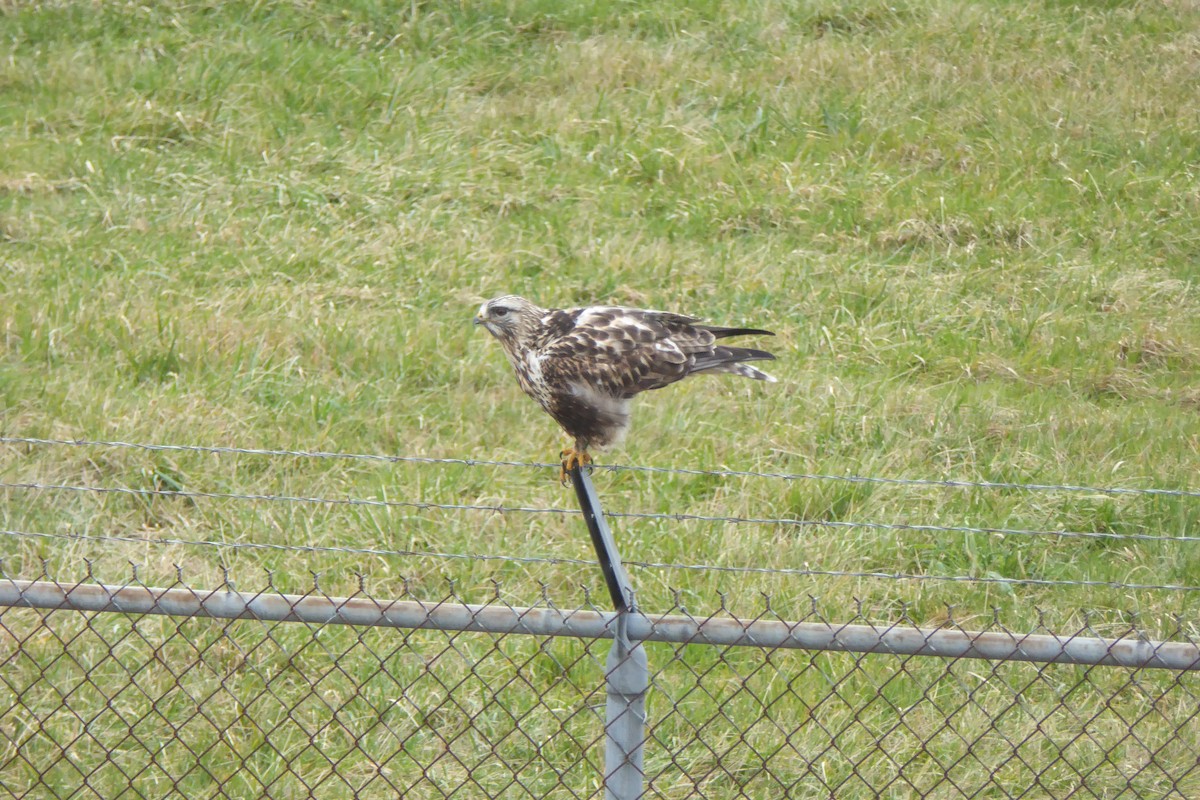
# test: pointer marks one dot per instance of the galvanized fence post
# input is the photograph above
(626, 671)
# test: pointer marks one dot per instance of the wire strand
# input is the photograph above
(297, 548)
(285, 498)
(646, 515)
(254, 451)
(473, 462)
(798, 572)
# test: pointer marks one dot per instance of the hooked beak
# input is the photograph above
(477, 321)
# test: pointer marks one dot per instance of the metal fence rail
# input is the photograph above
(221, 693)
(1132, 651)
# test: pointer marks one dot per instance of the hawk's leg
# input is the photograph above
(573, 458)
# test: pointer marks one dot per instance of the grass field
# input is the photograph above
(971, 224)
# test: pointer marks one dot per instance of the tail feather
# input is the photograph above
(747, 371)
(731, 360)
(722, 333)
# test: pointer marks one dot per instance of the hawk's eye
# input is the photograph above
(500, 312)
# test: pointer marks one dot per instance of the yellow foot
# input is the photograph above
(572, 459)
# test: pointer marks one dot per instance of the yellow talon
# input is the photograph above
(572, 459)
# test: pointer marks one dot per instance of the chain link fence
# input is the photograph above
(215, 693)
(125, 682)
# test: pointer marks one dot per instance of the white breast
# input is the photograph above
(533, 363)
(536, 381)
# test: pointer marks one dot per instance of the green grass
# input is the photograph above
(972, 226)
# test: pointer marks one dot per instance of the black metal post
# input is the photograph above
(606, 549)
(626, 672)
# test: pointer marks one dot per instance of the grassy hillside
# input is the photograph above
(972, 225)
(268, 225)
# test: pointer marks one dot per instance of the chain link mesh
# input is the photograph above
(169, 698)
(110, 705)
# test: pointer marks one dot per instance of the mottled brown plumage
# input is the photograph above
(584, 365)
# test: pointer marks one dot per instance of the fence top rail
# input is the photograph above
(1130, 650)
(725, 473)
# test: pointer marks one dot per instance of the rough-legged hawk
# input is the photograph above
(584, 365)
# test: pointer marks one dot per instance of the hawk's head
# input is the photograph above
(511, 319)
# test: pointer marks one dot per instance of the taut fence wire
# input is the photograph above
(476, 462)
(668, 516)
(409, 683)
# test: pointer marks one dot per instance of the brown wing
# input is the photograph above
(623, 351)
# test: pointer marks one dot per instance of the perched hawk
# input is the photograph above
(584, 365)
